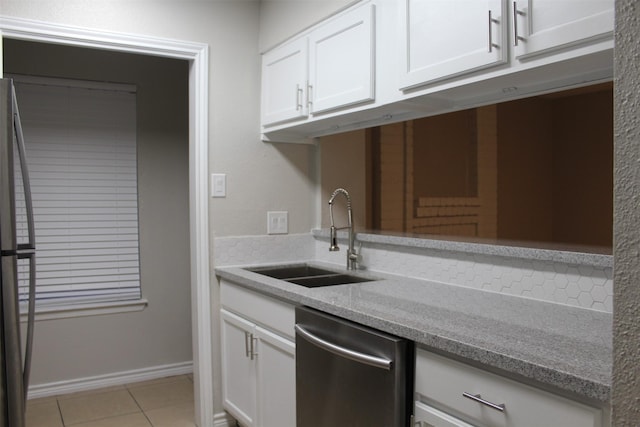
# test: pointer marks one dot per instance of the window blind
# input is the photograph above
(80, 141)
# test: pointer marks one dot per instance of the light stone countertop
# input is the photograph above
(553, 346)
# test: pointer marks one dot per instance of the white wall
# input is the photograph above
(280, 19)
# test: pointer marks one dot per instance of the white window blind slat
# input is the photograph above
(81, 152)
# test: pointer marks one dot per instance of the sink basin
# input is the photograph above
(330, 280)
(309, 276)
(292, 271)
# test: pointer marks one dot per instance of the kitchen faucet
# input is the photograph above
(352, 255)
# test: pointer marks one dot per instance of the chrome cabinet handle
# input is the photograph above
(252, 351)
(298, 97)
(491, 43)
(356, 356)
(516, 12)
(246, 344)
(309, 96)
(249, 346)
(477, 398)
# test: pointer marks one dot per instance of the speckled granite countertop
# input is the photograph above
(564, 348)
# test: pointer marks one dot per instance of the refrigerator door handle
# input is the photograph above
(25, 175)
(26, 250)
(31, 313)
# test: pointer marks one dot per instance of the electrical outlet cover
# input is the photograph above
(277, 222)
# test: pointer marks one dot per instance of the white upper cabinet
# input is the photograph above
(445, 38)
(383, 61)
(541, 26)
(341, 61)
(284, 81)
(328, 68)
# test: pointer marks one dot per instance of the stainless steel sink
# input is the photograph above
(309, 276)
(292, 271)
(330, 280)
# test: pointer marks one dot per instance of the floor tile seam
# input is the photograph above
(171, 405)
(137, 404)
(88, 393)
(148, 419)
(65, 424)
(60, 412)
(101, 418)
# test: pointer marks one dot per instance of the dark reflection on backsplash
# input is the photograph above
(536, 172)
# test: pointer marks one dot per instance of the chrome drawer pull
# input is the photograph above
(476, 397)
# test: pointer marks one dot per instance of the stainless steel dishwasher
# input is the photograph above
(350, 375)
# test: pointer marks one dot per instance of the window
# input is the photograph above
(80, 139)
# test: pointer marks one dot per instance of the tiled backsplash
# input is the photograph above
(253, 250)
(559, 277)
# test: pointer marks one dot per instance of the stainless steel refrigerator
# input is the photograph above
(18, 248)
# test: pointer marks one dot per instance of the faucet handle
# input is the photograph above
(334, 240)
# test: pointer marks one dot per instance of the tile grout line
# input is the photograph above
(129, 388)
(60, 412)
(97, 392)
(138, 405)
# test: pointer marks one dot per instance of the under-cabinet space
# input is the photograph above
(450, 393)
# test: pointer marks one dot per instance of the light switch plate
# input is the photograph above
(277, 222)
(218, 185)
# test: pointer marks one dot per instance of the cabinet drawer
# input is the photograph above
(441, 382)
(428, 416)
(270, 312)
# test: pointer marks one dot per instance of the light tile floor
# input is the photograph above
(165, 402)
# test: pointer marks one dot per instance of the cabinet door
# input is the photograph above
(545, 25)
(341, 61)
(446, 38)
(284, 80)
(276, 378)
(239, 378)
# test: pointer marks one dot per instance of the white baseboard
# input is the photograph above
(108, 380)
(222, 419)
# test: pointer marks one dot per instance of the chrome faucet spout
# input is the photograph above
(352, 255)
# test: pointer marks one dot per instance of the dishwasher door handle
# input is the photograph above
(356, 356)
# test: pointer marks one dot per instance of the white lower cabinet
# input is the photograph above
(239, 369)
(258, 359)
(276, 379)
(453, 394)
